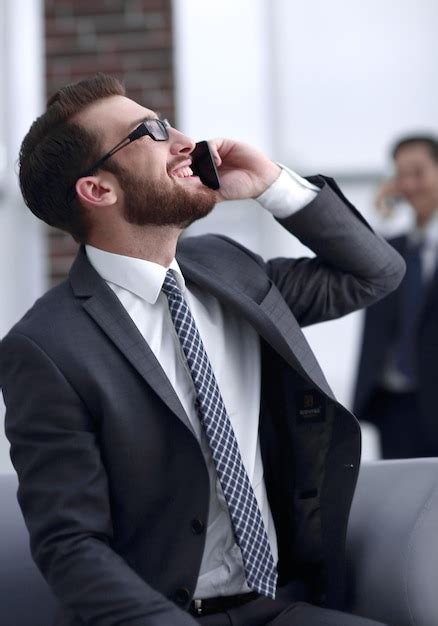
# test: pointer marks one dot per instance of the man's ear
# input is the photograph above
(96, 191)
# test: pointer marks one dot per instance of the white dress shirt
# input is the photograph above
(392, 379)
(234, 352)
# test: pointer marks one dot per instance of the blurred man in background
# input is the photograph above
(397, 378)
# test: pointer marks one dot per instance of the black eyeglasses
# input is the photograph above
(153, 127)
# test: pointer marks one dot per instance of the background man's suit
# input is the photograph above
(114, 487)
(419, 431)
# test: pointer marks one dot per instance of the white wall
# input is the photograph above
(352, 76)
(22, 247)
(320, 86)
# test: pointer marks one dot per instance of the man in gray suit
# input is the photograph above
(180, 454)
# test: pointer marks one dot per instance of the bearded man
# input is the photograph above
(181, 457)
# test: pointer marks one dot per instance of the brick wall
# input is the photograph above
(131, 39)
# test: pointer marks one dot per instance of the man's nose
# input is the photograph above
(180, 143)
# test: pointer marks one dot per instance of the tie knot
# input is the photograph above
(170, 286)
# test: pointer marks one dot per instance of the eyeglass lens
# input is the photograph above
(157, 128)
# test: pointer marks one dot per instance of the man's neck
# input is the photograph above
(422, 220)
(151, 243)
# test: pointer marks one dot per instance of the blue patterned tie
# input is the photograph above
(260, 569)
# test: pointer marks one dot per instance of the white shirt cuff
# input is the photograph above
(287, 194)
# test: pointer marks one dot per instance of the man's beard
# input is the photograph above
(154, 203)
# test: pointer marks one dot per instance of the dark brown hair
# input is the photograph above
(428, 141)
(56, 149)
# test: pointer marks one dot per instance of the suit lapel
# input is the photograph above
(270, 317)
(104, 307)
(431, 288)
(430, 295)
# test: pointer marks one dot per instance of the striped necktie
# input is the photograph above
(249, 529)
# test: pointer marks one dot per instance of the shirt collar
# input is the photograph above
(143, 278)
(428, 233)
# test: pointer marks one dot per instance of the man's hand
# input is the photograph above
(244, 171)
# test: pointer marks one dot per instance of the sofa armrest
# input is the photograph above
(392, 543)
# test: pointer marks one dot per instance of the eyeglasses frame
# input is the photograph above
(140, 131)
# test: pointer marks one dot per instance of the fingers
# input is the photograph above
(385, 195)
(219, 146)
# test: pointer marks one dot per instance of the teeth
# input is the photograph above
(183, 172)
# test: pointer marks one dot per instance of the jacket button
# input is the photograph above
(182, 596)
(197, 526)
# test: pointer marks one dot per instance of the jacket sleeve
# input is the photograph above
(64, 495)
(353, 267)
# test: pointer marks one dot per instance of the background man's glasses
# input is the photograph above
(152, 127)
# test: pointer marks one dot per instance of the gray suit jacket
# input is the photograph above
(113, 484)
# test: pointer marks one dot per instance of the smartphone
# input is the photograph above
(203, 165)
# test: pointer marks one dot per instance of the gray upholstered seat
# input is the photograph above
(393, 542)
(392, 549)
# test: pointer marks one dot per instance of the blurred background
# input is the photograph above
(319, 86)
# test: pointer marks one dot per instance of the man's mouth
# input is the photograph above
(182, 171)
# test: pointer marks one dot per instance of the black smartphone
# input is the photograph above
(204, 166)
